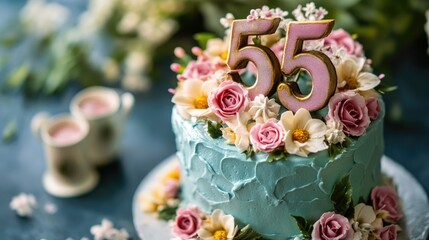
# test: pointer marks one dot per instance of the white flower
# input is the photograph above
(218, 226)
(351, 77)
(191, 98)
(262, 108)
(304, 135)
(365, 222)
(50, 208)
(96, 17)
(334, 132)
(136, 61)
(136, 82)
(23, 204)
(227, 20)
(156, 31)
(129, 22)
(217, 47)
(111, 70)
(106, 231)
(43, 18)
(311, 13)
(237, 132)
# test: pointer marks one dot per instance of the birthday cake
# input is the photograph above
(279, 133)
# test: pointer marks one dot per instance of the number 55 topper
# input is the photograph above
(269, 70)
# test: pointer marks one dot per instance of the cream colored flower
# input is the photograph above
(365, 222)
(304, 135)
(334, 132)
(111, 70)
(218, 226)
(262, 109)
(217, 47)
(129, 22)
(352, 77)
(237, 132)
(191, 98)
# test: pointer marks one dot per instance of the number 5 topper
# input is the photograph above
(269, 75)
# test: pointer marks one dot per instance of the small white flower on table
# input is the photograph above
(23, 204)
(106, 231)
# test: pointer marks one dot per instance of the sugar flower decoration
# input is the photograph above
(351, 76)
(228, 99)
(334, 132)
(106, 231)
(267, 136)
(304, 135)
(227, 20)
(218, 226)
(237, 132)
(262, 108)
(191, 98)
(23, 204)
(332, 226)
(187, 222)
(365, 222)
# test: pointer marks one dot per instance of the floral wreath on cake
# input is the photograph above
(207, 93)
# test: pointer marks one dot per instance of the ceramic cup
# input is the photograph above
(68, 173)
(105, 110)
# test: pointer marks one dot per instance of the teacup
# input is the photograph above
(105, 110)
(69, 173)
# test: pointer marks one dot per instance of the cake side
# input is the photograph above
(257, 192)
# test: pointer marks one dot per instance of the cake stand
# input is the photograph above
(415, 224)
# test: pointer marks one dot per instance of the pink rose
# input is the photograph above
(228, 99)
(200, 69)
(340, 38)
(332, 226)
(267, 136)
(373, 107)
(388, 233)
(171, 188)
(386, 198)
(187, 223)
(349, 109)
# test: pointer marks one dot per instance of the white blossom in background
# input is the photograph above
(227, 20)
(136, 65)
(96, 17)
(156, 31)
(43, 19)
(129, 22)
(309, 12)
(106, 231)
(23, 204)
(427, 26)
(50, 208)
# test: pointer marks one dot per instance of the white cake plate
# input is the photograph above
(415, 223)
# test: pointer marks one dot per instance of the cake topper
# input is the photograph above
(269, 70)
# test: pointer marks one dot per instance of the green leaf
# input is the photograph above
(341, 196)
(18, 76)
(203, 38)
(247, 233)
(335, 149)
(249, 153)
(168, 213)
(304, 227)
(213, 128)
(257, 40)
(276, 155)
(10, 131)
(385, 88)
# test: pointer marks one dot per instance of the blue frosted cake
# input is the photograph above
(279, 133)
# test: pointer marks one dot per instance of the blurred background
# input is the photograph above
(50, 50)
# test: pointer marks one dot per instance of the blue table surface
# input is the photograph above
(148, 139)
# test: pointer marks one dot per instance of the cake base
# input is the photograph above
(415, 223)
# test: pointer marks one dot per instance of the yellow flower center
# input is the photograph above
(200, 102)
(220, 235)
(352, 83)
(224, 55)
(300, 135)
